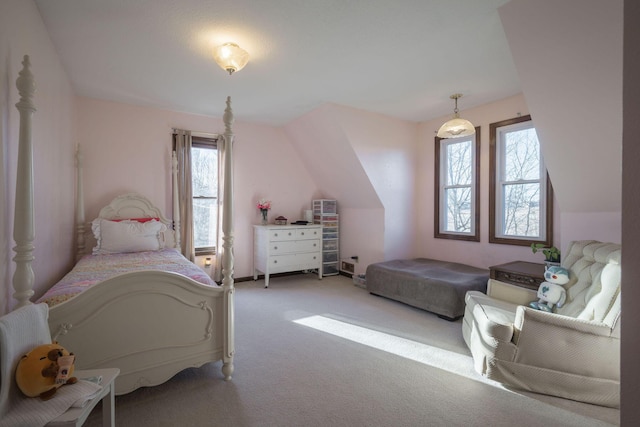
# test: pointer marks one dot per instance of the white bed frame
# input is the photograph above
(150, 324)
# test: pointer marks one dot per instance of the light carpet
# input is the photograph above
(324, 352)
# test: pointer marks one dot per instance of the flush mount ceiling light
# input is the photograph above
(230, 57)
(456, 127)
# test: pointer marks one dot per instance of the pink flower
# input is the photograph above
(264, 204)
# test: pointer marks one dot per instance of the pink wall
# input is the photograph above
(23, 32)
(571, 76)
(128, 148)
(368, 163)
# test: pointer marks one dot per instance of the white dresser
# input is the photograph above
(283, 248)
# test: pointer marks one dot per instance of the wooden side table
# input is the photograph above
(77, 416)
(516, 281)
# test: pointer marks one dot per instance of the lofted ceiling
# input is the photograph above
(400, 58)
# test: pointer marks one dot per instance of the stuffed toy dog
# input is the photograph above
(45, 368)
(551, 291)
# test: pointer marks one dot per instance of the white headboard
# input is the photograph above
(134, 206)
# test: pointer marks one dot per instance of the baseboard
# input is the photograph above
(271, 276)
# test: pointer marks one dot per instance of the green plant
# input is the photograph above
(550, 254)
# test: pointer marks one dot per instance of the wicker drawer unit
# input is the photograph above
(325, 213)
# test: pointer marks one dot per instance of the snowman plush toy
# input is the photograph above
(551, 292)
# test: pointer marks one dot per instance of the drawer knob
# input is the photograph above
(314, 245)
(275, 248)
(275, 234)
(302, 233)
(275, 261)
(289, 233)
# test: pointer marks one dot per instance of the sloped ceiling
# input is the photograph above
(399, 58)
(328, 155)
(569, 58)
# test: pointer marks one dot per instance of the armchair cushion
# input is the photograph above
(574, 353)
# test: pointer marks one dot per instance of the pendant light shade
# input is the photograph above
(230, 57)
(456, 127)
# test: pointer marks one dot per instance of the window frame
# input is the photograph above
(495, 194)
(440, 184)
(208, 143)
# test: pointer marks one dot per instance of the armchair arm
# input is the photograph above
(566, 344)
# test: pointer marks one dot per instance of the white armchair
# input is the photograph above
(574, 353)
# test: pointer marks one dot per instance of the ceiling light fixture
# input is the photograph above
(456, 127)
(230, 57)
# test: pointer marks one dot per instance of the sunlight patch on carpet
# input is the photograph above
(450, 361)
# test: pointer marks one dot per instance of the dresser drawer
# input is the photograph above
(308, 233)
(278, 235)
(300, 261)
(292, 246)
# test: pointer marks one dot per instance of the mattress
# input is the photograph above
(92, 269)
(432, 285)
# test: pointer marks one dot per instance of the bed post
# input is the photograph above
(176, 201)
(23, 219)
(227, 245)
(80, 221)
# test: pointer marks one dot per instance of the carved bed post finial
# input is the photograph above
(80, 221)
(23, 227)
(227, 245)
(228, 118)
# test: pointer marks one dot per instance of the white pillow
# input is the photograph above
(127, 236)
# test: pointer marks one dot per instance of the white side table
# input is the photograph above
(77, 416)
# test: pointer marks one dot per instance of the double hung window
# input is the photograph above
(204, 179)
(520, 193)
(456, 188)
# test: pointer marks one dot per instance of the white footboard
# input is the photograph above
(150, 324)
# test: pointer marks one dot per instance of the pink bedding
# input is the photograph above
(92, 269)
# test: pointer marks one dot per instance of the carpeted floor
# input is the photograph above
(327, 353)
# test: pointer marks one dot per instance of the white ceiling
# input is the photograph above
(401, 58)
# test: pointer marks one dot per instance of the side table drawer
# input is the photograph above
(518, 279)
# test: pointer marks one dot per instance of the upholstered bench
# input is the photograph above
(429, 284)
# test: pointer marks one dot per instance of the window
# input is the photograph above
(204, 178)
(456, 188)
(520, 193)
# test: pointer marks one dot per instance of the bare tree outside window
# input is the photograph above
(456, 188)
(521, 183)
(204, 172)
(520, 193)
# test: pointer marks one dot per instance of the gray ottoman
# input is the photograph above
(429, 284)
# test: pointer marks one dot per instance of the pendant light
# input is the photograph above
(456, 127)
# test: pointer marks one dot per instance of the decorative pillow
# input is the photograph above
(127, 236)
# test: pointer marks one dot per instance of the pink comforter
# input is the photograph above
(92, 269)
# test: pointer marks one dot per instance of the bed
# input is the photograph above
(148, 322)
(433, 285)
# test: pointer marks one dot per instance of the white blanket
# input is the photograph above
(33, 412)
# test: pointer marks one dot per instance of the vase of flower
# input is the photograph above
(264, 206)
